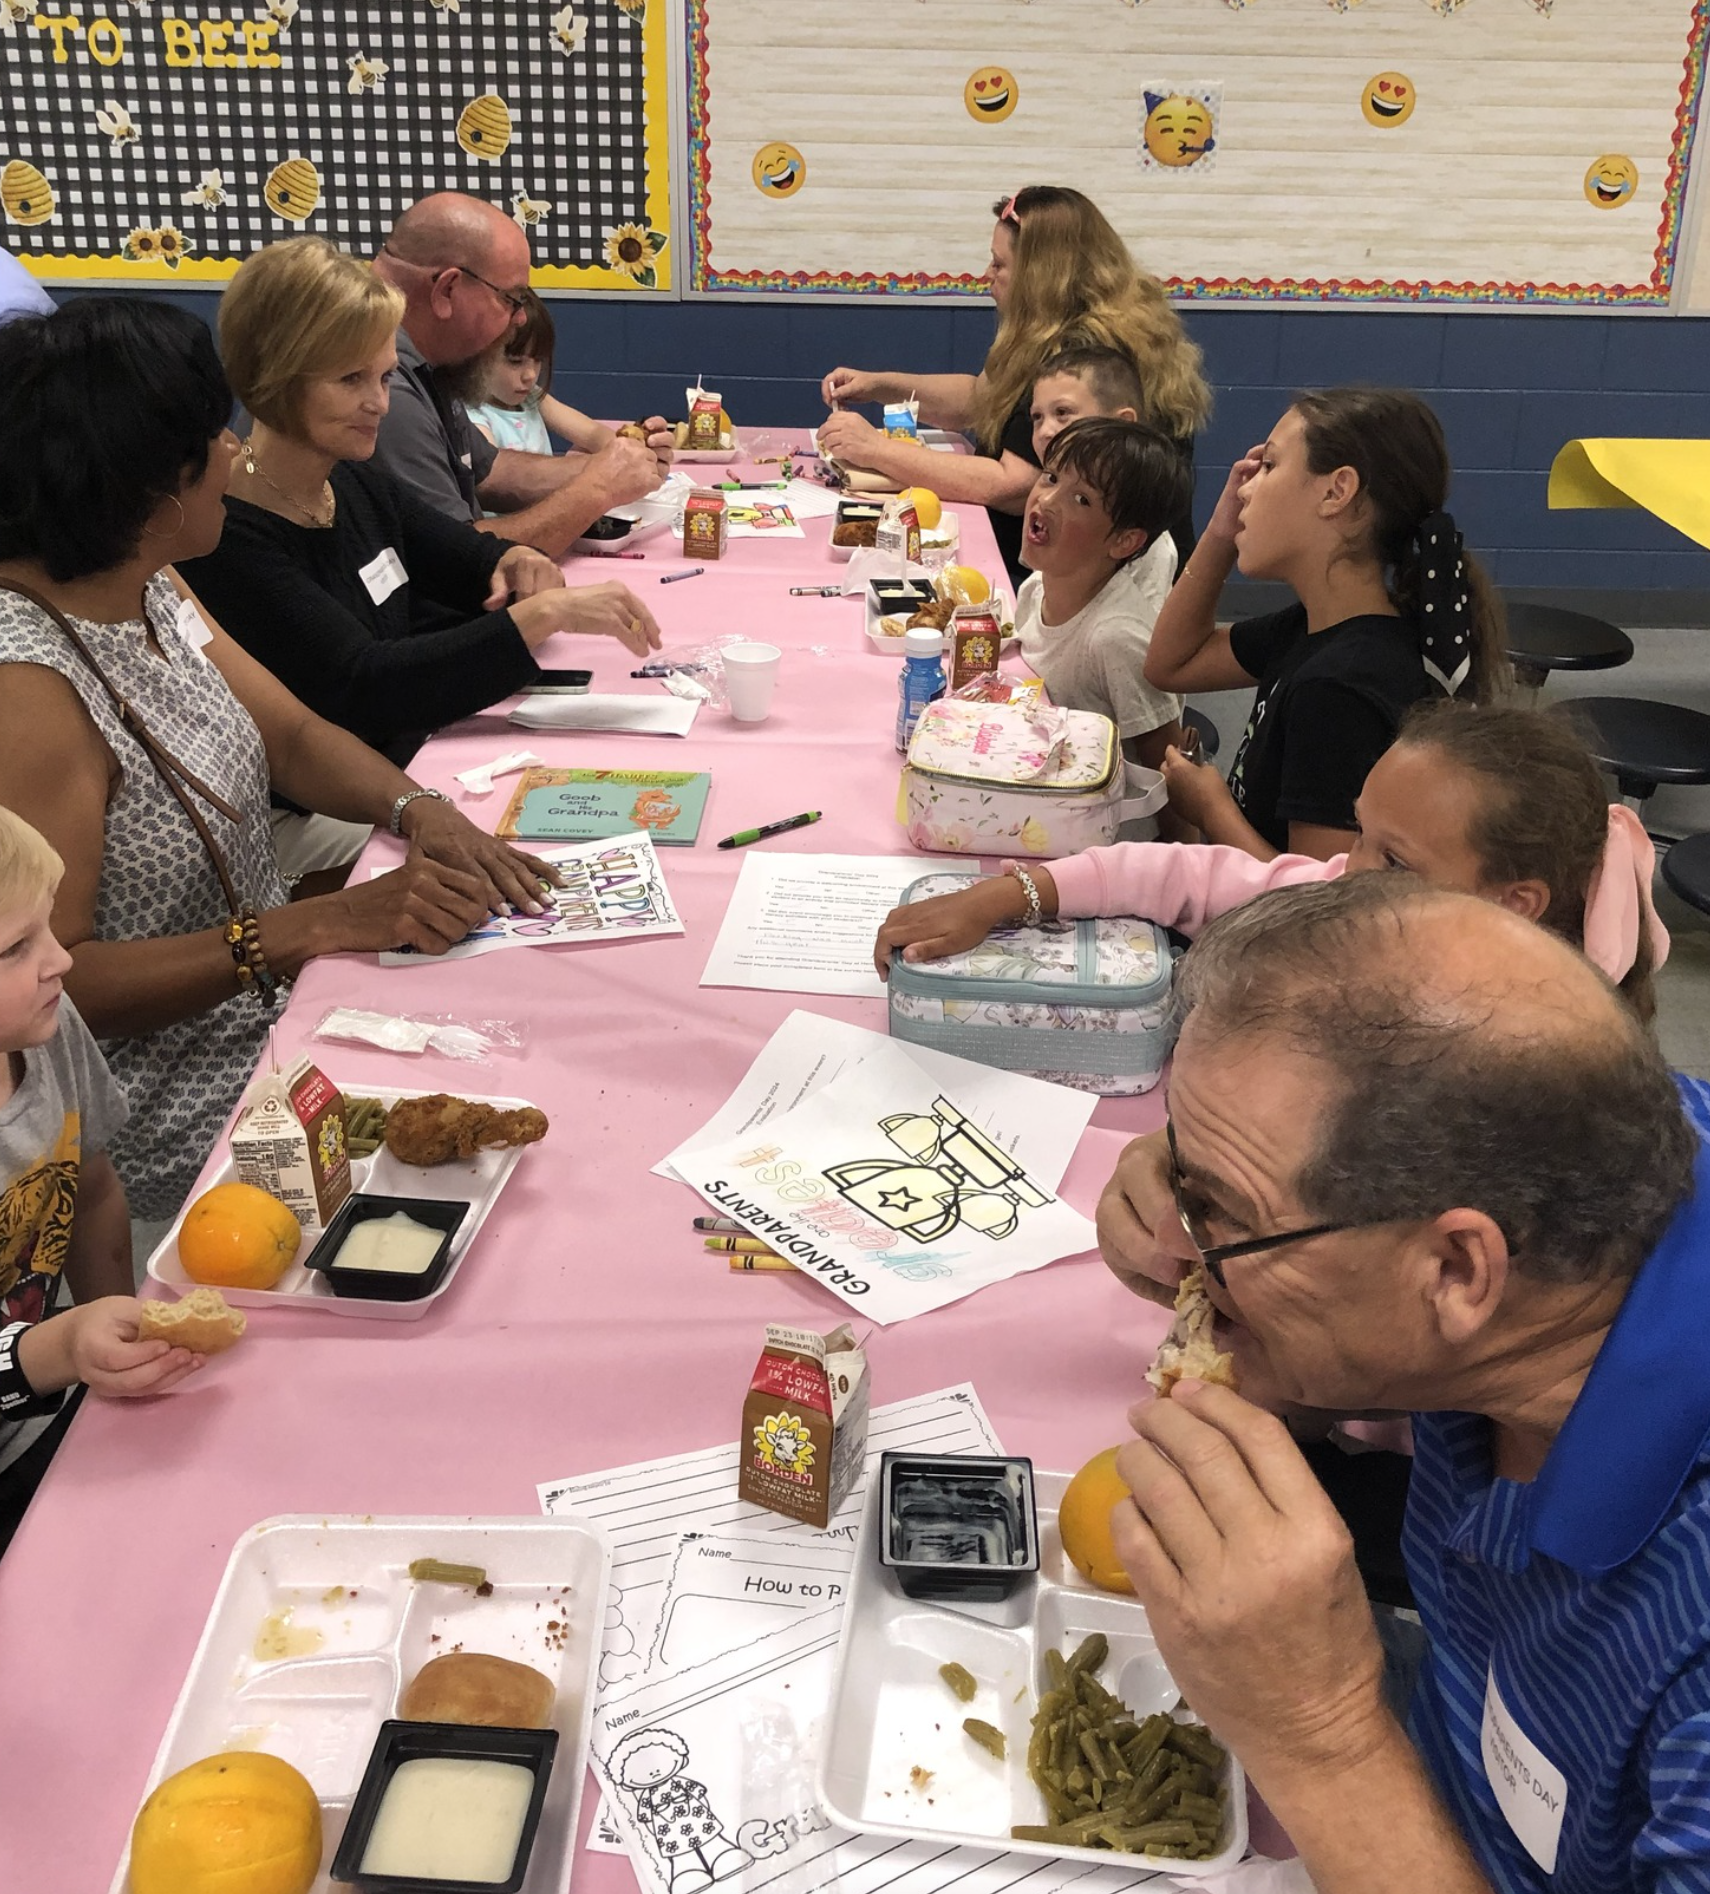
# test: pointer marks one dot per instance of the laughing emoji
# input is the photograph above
(1389, 99)
(1178, 130)
(991, 94)
(778, 170)
(1611, 181)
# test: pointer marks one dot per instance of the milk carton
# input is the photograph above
(289, 1140)
(804, 1423)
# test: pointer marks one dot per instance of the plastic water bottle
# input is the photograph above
(921, 681)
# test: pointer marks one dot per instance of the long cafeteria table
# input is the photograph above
(588, 1328)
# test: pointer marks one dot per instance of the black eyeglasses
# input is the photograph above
(1215, 1255)
(513, 301)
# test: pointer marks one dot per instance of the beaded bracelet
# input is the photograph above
(1030, 888)
(242, 935)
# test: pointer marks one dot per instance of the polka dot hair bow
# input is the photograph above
(1445, 609)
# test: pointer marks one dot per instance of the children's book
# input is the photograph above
(586, 805)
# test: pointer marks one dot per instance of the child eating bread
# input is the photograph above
(63, 1217)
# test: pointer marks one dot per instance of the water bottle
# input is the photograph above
(921, 681)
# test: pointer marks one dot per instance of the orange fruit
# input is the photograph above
(1083, 1522)
(241, 1823)
(237, 1237)
(965, 585)
(928, 510)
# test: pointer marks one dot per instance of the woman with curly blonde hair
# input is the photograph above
(1061, 278)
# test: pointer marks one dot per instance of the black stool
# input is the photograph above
(1544, 638)
(1644, 744)
(1686, 869)
(1209, 741)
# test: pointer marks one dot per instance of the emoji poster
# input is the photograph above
(889, 1193)
(1460, 153)
(164, 141)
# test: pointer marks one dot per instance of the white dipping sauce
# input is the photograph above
(398, 1244)
(450, 1818)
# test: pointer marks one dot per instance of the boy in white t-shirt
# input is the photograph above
(1093, 531)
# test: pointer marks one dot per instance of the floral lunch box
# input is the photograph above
(1083, 1003)
(1002, 779)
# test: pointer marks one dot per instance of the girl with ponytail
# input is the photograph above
(1345, 504)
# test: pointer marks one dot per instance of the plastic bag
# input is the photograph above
(998, 687)
(471, 1040)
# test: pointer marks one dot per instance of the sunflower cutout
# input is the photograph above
(142, 245)
(569, 31)
(633, 250)
(633, 9)
(529, 211)
(174, 246)
(784, 1444)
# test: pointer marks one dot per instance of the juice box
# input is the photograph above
(804, 1423)
(705, 525)
(289, 1140)
(976, 637)
(706, 420)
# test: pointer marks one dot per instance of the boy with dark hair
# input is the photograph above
(1095, 533)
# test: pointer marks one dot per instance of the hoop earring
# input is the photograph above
(173, 532)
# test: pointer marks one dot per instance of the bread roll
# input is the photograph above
(468, 1687)
(1190, 1349)
(632, 431)
(203, 1321)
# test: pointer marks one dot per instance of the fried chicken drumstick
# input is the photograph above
(439, 1128)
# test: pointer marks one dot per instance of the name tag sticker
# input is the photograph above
(192, 626)
(1530, 1790)
(383, 574)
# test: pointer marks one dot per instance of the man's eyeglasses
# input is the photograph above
(1215, 1255)
(512, 299)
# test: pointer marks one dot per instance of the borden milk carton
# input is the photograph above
(289, 1140)
(804, 1424)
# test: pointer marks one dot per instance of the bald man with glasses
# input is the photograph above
(461, 265)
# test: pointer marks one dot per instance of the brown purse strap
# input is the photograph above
(172, 772)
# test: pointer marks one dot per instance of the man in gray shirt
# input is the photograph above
(459, 264)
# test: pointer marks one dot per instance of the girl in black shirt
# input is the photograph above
(1344, 503)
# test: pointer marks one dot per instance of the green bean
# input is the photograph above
(1197, 1743)
(1056, 1671)
(989, 1739)
(961, 1682)
(1090, 1654)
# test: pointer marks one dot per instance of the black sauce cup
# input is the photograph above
(386, 1285)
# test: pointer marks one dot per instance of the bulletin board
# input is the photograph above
(158, 141)
(1487, 153)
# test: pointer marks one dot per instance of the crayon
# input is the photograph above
(761, 1262)
(728, 1224)
(747, 1245)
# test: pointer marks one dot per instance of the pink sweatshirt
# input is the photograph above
(1187, 886)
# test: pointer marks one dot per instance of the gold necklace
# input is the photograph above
(328, 497)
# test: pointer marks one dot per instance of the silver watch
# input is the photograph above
(396, 825)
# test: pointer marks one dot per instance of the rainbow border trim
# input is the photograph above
(1655, 293)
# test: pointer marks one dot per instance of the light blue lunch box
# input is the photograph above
(1082, 1003)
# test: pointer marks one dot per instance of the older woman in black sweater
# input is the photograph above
(378, 612)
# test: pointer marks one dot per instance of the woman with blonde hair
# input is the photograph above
(1061, 278)
(378, 612)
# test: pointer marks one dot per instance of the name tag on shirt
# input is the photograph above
(192, 626)
(383, 574)
(1530, 1790)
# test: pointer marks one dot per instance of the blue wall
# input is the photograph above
(1510, 389)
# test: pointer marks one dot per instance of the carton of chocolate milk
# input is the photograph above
(804, 1423)
(289, 1140)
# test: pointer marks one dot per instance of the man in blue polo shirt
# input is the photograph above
(1430, 1162)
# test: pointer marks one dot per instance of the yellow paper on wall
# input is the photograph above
(1668, 478)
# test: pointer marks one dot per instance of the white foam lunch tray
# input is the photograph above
(892, 647)
(710, 456)
(891, 1713)
(476, 1181)
(347, 1580)
(643, 525)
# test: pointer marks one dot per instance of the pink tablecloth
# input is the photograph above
(587, 1328)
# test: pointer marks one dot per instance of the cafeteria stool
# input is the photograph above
(1686, 869)
(1545, 638)
(1209, 741)
(1644, 744)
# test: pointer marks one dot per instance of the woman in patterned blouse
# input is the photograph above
(114, 452)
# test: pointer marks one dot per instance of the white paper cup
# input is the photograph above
(750, 672)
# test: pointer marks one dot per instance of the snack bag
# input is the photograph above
(975, 639)
(706, 419)
(706, 525)
(804, 1423)
(290, 1141)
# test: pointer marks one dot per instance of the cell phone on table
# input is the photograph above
(559, 684)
